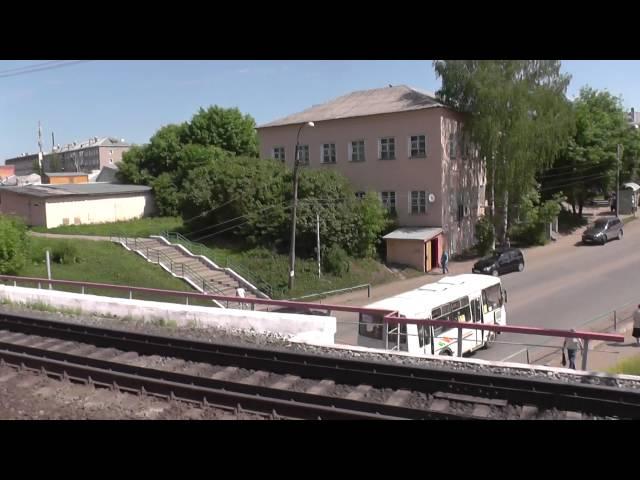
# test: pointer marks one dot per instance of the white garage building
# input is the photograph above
(76, 204)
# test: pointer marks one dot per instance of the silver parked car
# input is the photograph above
(603, 230)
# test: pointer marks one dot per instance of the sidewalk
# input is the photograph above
(65, 236)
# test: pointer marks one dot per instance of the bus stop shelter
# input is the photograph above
(629, 198)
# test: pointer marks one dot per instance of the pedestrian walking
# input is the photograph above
(572, 345)
(636, 325)
(444, 262)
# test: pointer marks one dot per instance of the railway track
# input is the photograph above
(284, 384)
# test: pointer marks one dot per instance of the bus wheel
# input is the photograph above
(446, 353)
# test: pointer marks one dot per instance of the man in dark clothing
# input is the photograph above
(444, 262)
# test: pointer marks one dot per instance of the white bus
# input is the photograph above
(460, 298)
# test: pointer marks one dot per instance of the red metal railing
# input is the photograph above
(388, 316)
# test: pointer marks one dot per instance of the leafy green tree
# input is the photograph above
(517, 116)
(13, 245)
(226, 128)
(588, 165)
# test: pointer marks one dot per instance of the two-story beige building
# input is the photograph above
(406, 146)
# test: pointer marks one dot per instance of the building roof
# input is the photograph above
(391, 99)
(66, 174)
(91, 142)
(85, 189)
(413, 233)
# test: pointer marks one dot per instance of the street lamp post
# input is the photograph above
(296, 164)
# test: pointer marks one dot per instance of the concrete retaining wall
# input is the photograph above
(299, 328)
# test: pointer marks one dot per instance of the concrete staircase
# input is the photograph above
(201, 273)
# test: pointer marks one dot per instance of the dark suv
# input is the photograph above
(603, 230)
(502, 260)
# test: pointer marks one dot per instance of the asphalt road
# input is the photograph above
(568, 288)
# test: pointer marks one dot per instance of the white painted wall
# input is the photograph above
(97, 209)
(300, 328)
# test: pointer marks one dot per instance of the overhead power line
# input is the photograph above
(39, 68)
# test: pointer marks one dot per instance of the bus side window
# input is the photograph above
(370, 326)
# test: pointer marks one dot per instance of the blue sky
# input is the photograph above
(132, 99)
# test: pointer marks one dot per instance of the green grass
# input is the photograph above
(273, 269)
(142, 227)
(630, 366)
(103, 262)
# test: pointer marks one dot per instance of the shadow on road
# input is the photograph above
(579, 243)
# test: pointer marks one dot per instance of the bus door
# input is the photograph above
(476, 312)
(491, 304)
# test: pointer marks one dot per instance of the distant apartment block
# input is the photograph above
(401, 143)
(634, 117)
(86, 156)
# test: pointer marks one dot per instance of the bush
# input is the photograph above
(528, 234)
(65, 253)
(13, 245)
(336, 261)
(484, 235)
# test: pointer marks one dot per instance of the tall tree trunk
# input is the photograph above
(505, 216)
(493, 202)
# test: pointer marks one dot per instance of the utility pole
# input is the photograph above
(318, 241)
(39, 146)
(619, 152)
(296, 165)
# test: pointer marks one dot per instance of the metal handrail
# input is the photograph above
(183, 267)
(174, 267)
(202, 249)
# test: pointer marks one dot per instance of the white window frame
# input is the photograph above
(411, 212)
(350, 151)
(284, 153)
(308, 160)
(360, 194)
(380, 148)
(395, 200)
(335, 153)
(410, 147)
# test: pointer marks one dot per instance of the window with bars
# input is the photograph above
(278, 153)
(418, 146)
(418, 201)
(303, 154)
(329, 153)
(387, 148)
(389, 201)
(356, 151)
(360, 195)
